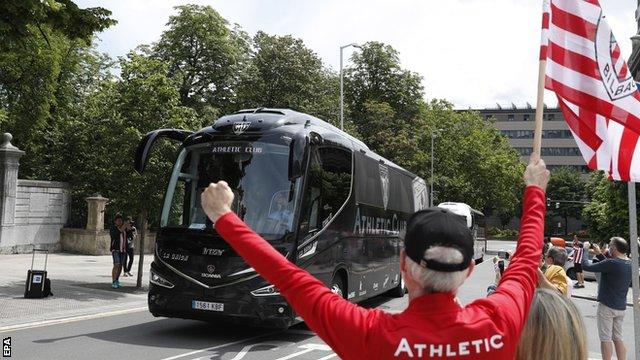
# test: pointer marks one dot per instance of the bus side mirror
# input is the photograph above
(297, 155)
(146, 143)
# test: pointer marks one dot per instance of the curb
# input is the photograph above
(591, 298)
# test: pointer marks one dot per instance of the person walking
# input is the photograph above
(578, 255)
(612, 295)
(118, 249)
(132, 233)
(437, 258)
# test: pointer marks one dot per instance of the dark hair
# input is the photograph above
(620, 244)
(118, 216)
(559, 255)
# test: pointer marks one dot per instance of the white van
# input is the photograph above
(475, 222)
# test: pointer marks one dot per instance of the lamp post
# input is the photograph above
(434, 134)
(341, 84)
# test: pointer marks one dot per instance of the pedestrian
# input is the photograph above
(578, 255)
(437, 258)
(612, 295)
(554, 277)
(554, 329)
(132, 234)
(118, 249)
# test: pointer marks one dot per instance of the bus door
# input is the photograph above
(326, 191)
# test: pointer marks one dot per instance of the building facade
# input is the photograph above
(559, 149)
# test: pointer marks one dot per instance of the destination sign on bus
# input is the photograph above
(236, 149)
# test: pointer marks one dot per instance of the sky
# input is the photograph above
(474, 53)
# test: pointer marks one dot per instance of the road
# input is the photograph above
(139, 335)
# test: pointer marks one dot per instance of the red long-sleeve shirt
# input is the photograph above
(433, 325)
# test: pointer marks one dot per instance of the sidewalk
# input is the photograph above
(81, 285)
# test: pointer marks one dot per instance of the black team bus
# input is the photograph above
(321, 197)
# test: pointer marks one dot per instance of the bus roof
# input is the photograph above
(266, 119)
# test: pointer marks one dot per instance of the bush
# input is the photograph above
(497, 233)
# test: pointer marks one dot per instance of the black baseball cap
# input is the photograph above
(436, 226)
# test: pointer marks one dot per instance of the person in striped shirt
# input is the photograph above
(578, 253)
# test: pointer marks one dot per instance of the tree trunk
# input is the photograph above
(143, 234)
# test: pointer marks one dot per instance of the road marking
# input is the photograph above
(307, 348)
(69, 319)
(222, 345)
(276, 345)
(328, 357)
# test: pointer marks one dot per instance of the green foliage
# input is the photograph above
(22, 19)
(607, 213)
(496, 233)
(80, 124)
(39, 47)
(376, 75)
(285, 73)
(473, 162)
(565, 184)
(205, 58)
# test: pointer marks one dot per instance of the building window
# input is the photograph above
(557, 151)
(579, 168)
(524, 151)
(551, 117)
(528, 134)
(511, 117)
(526, 117)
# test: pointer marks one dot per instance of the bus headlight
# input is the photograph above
(266, 291)
(159, 280)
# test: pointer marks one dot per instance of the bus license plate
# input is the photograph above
(205, 305)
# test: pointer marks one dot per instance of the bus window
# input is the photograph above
(328, 187)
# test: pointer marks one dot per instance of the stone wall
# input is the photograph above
(96, 242)
(32, 212)
(41, 210)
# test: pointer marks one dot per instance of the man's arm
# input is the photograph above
(600, 266)
(342, 325)
(512, 298)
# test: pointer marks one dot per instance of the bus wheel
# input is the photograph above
(337, 286)
(399, 290)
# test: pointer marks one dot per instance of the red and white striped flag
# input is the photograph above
(595, 89)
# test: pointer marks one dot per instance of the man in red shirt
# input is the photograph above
(438, 258)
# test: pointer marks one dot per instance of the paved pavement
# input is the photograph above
(81, 286)
(87, 317)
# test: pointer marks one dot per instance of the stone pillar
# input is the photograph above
(9, 163)
(95, 212)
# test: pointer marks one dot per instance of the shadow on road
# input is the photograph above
(75, 290)
(188, 334)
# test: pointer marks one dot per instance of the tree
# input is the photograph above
(565, 184)
(22, 19)
(205, 57)
(39, 41)
(376, 75)
(607, 212)
(473, 162)
(284, 73)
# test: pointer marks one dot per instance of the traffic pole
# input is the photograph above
(635, 280)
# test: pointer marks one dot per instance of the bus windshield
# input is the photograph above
(255, 170)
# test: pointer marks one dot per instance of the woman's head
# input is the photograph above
(554, 329)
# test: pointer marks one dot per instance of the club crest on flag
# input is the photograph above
(617, 81)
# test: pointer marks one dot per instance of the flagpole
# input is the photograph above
(635, 281)
(537, 134)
